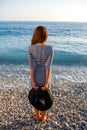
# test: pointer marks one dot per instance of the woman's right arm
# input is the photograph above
(48, 70)
(48, 73)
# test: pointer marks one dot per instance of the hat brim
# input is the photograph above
(45, 94)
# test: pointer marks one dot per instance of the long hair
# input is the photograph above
(40, 35)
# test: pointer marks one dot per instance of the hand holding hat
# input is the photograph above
(41, 100)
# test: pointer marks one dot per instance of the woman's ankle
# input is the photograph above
(37, 113)
(44, 116)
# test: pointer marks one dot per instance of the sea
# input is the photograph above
(69, 41)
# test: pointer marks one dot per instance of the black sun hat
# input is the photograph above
(41, 100)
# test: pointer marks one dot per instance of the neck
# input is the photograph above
(41, 43)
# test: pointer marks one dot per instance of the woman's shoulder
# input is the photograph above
(46, 47)
(31, 47)
(49, 48)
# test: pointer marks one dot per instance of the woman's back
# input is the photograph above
(41, 57)
(41, 54)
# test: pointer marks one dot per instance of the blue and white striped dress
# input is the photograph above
(40, 56)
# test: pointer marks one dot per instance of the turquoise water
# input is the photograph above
(69, 41)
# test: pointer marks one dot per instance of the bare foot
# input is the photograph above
(43, 120)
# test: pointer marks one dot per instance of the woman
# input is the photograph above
(40, 56)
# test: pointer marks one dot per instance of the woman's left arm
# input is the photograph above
(31, 63)
(32, 79)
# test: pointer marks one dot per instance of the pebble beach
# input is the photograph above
(69, 110)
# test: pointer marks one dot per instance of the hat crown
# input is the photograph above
(40, 101)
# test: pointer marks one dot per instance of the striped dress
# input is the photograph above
(40, 58)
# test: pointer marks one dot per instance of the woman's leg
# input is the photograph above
(43, 116)
(37, 114)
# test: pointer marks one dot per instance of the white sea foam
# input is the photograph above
(61, 73)
(70, 73)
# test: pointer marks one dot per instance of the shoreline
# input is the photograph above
(76, 74)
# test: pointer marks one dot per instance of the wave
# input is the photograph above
(69, 58)
(20, 56)
(14, 56)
